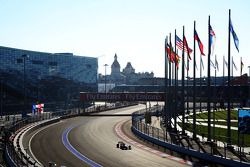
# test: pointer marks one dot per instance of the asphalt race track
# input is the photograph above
(92, 138)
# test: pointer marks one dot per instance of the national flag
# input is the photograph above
(179, 45)
(33, 109)
(216, 64)
(177, 60)
(202, 64)
(234, 65)
(236, 40)
(40, 108)
(212, 38)
(196, 65)
(170, 53)
(186, 66)
(212, 64)
(224, 61)
(196, 37)
(172, 56)
(186, 46)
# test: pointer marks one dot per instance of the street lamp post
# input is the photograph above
(1, 97)
(24, 114)
(105, 84)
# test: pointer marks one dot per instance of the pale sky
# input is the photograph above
(134, 29)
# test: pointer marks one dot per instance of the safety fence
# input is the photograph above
(15, 128)
(172, 141)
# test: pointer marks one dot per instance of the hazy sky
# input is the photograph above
(134, 29)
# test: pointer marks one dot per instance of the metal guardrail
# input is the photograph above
(16, 156)
(160, 137)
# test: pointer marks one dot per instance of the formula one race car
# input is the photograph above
(123, 146)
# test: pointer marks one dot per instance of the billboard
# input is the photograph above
(140, 96)
(244, 121)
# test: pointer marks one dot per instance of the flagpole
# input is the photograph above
(228, 88)
(194, 91)
(208, 84)
(166, 83)
(223, 70)
(187, 82)
(182, 84)
(173, 71)
(200, 83)
(214, 96)
(175, 89)
(232, 67)
(170, 82)
(241, 66)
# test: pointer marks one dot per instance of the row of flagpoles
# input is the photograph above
(175, 58)
(171, 72)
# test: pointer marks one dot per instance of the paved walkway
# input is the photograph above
(218, 126)
(219, 143)
(156, 123)
(217, 120)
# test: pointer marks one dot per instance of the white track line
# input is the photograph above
(119, 133)
(30, 150)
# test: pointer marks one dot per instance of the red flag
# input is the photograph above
(172, 56)
(186, 46)
(196, 37)
(179, 45)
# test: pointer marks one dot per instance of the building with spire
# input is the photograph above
(127, 76)
(116, 76)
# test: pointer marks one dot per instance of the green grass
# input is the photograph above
(220, 114)
(220, 134)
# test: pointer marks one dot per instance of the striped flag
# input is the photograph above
(179, 45)
(196, 37)
(212, 38)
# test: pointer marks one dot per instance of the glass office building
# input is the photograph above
(46, 77)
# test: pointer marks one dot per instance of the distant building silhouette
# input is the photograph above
(126, 76)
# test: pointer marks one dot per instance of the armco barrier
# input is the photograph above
(204, 156)
(14, 156)
(19, 149)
